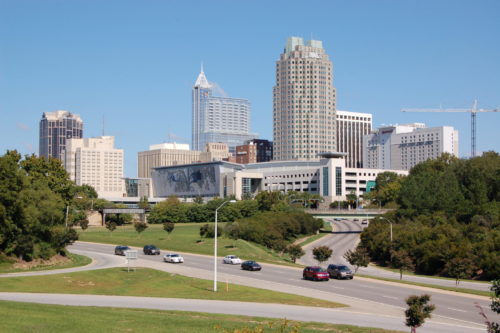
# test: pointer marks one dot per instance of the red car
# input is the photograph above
(315, 273)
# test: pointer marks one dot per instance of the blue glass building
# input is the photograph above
(217, 118)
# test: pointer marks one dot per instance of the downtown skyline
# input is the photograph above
(134, 65)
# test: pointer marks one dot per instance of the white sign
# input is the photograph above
(131, 254)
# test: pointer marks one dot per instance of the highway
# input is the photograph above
(364, 295)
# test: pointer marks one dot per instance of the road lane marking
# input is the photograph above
(337, 287)
(391, 297)
(459, 310)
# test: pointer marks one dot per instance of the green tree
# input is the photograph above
(495, 305)
(295, 252)
(168, 227)
(460, 268)
(418, 310)
(198, 200)
(208, 231)
(111, 226)
(322, 253)
(267, 199)
(144, 204)
(140, 227)
(357, 258)
(402, 261)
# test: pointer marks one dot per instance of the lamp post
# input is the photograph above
(215, 243)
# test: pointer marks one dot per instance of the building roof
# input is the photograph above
(202, 81)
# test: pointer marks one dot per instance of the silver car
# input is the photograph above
(231, 259)
(173, 257)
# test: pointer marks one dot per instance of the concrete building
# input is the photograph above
(328, 177)
(351, 127)
(404, 146)
(303, 102)
(218, 119)
(138, 187)
(55, 128)
(166, 154)
(245, 154)
(95, 162)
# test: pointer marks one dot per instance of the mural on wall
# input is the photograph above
(195, 180)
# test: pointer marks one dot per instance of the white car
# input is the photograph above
(233, 260)
(173, 257)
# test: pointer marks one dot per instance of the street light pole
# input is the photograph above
(215, 243)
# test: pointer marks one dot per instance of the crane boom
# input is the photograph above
(472, 111)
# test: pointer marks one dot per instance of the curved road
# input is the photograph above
(369, 299)
(345, 236)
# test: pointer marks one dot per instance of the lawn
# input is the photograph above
(76, 260)
(150, 282)
(184, 238)
(28, 317)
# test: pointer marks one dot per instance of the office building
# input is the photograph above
(404, 146)
(303, 102)
(166, 154)
(95, 162)
(217, 118)
(253, 151)
(55, 128)
(327, 176)
(351, 127)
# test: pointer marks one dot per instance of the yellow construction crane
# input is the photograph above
(473, 111)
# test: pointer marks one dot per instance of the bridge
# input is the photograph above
(347, 213)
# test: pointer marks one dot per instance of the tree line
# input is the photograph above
(446, 221)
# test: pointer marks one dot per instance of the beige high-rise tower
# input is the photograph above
(303, 102)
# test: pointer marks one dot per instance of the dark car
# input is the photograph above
(315, 273)
(120, 249)
(250, 266)
(340, 272)
(151, 249)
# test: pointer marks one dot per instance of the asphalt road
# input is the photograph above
(334, 316)
(345, 236)
(363, 295)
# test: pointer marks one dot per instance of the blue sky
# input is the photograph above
(133, 63)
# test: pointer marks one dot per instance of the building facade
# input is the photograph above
(351, 127)
(218, 119)
(328, 177)
(95, 162)
(55, 128)
(303, 102)
(404, 146)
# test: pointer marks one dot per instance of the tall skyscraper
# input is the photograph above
(96, 162)
(304, 102)
(401, 147)
(55, 128)
(218, 119)
(351, 127)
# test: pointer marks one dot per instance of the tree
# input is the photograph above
(460, 268)
(295, 252)
(84, 223)
(168, 227)
(322, 253)
(418, 310)
(358, 258)
(401, 260)
(198, 200)
(140, 227)
(208, 231)
(111, 226)
(144, 203)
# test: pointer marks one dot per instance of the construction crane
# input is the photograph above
(473, 111)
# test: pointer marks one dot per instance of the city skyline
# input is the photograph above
(133, 66)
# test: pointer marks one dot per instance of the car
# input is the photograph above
(120, 250)
(173, 258)
(340, 272)
(231, 259)
(315, 273)
(250, 265)
(151, 249)
(355, 220)
(337, 219)
(364, 222)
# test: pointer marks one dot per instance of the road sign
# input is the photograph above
(130, 255)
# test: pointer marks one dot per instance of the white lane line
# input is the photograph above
(391, 297)
(337, 287)
(459, 310)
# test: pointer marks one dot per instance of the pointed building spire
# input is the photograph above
(202, 81)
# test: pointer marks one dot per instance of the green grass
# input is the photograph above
(76, 260)
(455, 289)
(428, 276)
(150, 282)
(184, 238)
(29, 317)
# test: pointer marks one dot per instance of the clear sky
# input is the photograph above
(134, 63)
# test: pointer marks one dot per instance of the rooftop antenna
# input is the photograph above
(202, 67)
